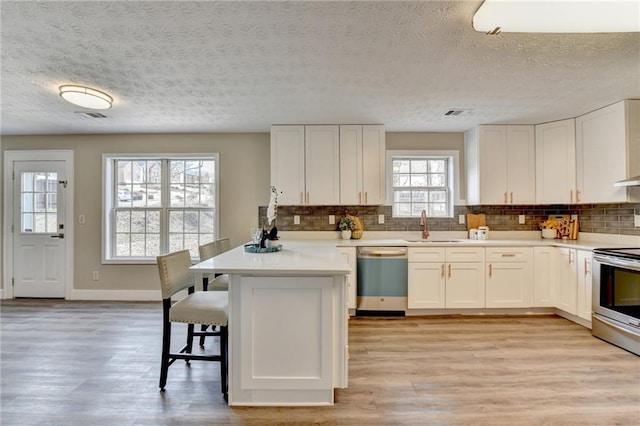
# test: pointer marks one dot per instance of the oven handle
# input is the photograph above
(606, 260)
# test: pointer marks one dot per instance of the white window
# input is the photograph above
(421, 181)
(159, 204)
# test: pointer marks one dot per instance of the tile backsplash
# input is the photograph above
(597, 218)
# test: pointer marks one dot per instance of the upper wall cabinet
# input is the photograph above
(556, 163)
(362, 164)
(607, 150)
(305, 164)
(500, 165)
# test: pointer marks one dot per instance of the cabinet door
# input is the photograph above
(373, 164)
(544, 277)
(556, 162)
(508, 285)
(287, 163)
(584, 284)
(426, 286)
(521, 170)
(567, 288)
(465, 285)
(493, 164)
(601, 151)
(349, 254)
(322, 165)
(351, 165)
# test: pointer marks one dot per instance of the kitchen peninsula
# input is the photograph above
(287, 324)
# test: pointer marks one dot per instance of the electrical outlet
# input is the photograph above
(95, 276)
(81, 218)
(380, 219)
(521, 219)
(332, 219)
(296, 219)
(636, 220)
(461, 219)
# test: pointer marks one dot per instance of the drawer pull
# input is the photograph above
(442, 271)
(508, 255)
(490, 270)
(449, 270)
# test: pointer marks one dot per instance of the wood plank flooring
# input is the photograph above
(97, 363)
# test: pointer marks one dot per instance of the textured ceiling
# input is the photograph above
(241, 66)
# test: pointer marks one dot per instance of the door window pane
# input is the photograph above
(39, 202)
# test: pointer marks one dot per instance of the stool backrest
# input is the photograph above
(209, 250)
(174, 272)
(224, 244)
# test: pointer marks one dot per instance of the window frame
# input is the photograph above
(453, 168)
(109, 189)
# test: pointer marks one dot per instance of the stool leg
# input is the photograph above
(224, 353)
(189, 346)
(203, 328)
(166, 344)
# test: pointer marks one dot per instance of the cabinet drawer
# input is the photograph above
(464, 254)
(426, 254)
(508, 254)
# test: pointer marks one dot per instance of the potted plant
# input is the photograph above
(345, 226)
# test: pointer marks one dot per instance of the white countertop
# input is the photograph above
(297, 258)
(439, 239)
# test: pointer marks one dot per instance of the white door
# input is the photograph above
(39, 243)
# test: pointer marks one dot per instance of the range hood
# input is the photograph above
(632, 181)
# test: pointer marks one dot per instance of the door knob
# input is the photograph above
(61, 236)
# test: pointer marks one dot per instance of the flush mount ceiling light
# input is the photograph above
(86, 97)
(558, 16)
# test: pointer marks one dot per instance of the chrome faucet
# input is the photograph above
(423, 223)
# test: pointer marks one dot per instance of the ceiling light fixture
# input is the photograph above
(558, 16)
(86, 97)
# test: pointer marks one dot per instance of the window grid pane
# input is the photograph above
(39, 202)
(140, 209)
(420, 183)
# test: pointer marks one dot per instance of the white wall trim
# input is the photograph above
(7, 244)
(117, 295)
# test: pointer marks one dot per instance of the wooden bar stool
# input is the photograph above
(201, 307)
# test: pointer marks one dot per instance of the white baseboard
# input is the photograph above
(119, 295)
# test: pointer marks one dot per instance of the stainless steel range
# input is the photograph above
(616, 297)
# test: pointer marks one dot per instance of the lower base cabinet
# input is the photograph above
(349, 254)
(509, 277)
(584, 284)
(544, 277)
(449, 277)
(567, 285)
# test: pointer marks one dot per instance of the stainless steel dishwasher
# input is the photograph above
(382, 281)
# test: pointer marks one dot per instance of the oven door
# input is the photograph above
(616, 289)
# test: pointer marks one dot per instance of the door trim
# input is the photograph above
(7, 214)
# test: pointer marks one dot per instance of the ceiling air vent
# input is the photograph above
(456, 112)
(86, 114)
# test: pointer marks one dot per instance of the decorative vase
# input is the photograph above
(346, 234)
(549, 233)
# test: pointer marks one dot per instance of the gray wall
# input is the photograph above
(244, 185)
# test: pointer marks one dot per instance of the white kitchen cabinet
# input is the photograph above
(607, 151)
(555, 147)
(584, 284)
(287, 163)
(500, 165)
(305, 164)
(544, 277)
(450, 277)
(509, 279)
(362, 165)
(349, 254)
(567, 285)
(322, 165)
(426, 278)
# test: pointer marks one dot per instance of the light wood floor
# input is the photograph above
(97, 363)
